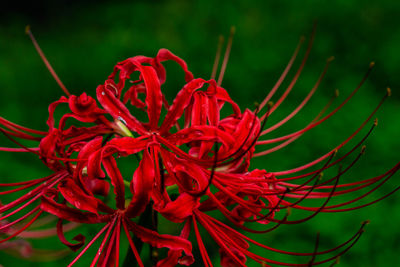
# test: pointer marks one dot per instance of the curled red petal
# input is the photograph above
(181, 101)
(153, 95)
(48, 147)
(190, 176)
(152, 86)
(73, 246)
(181, 208)
(118, 110)
(222, 97)
(76, 197)
(52, 108)
(132, 95)
(64, 212)
(202, 133)
(97, 186)
(141, 185)
(84, 105)
(165, 54)
(94, 169)
(128, 145)
(87, 158)
(199, 109)
(175, 255)
(161, 241)
(212, 110)
(117, 181)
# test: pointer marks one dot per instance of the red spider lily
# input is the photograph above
(185, 171)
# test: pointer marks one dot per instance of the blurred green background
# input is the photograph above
(84, 40)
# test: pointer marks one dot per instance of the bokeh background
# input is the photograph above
(84, 40)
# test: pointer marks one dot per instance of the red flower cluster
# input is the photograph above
(191, 161)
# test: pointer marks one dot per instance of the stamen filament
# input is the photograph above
(226, 56)
(45, 61)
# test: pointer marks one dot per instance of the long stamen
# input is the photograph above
(203, 250)
(345, 250)
(394, 170)
(9, 123)
(217, 57)
(105, 256)
(336, 161)
(291, 140)
(283, 75)
(327, 106)
(20, 134)
(17, 130)
(338, 192)
(240, 235)
(322, 207)
(315, 250)
(90, 244)
(132, 245)
(45, 61)
(218, 239)
(19, 219)
(258, 258)
(318, 174)
(332, 208)
(310, 126)
(23, 228)
(100, 250)
(296, 76)
(288, 206)
(7, 134)
(118, 236)
(323, 185)
(339, 146)
(228, 214)
(18, 150)
(309, 95)
(36, 193)
(226, 56)
(20, 188)
(31, 182)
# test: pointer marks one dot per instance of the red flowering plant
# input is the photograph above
(192, 162)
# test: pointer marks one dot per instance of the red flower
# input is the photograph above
(191, 161)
